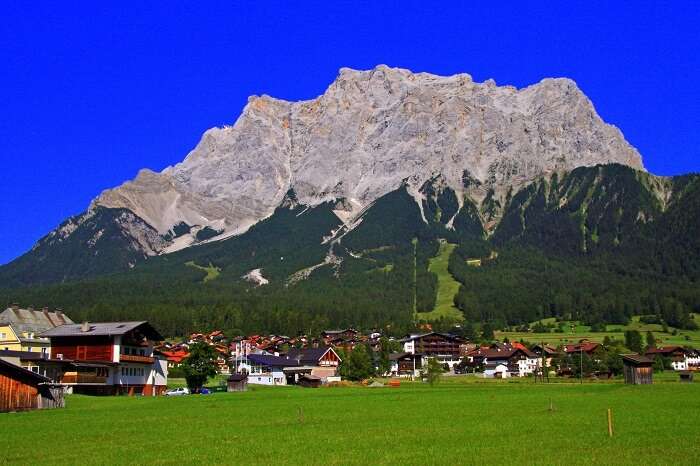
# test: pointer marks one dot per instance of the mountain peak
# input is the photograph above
(369, 131)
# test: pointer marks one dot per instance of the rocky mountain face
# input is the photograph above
(367, 134)
(448, 141)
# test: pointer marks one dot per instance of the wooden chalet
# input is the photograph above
(503, 360)
(405, 364)
(322, 362)
(681, 358)
(108, 358)
(441, 346)
(637, 369)
(22, 389)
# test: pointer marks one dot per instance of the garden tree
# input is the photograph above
(199, 365)
(384, 352)
(581, 362)
(433, 371)
(359, 364)
(658, 364)
(651, 341)
(487, 334)
(633, 340)
(469, 331)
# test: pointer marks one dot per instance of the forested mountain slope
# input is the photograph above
(597, 243)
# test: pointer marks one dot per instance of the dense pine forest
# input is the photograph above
(597, 244)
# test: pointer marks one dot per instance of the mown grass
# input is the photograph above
(456, 422)
(447, 288)
(578, 332)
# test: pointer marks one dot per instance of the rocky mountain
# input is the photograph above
(335, 206)
(369, 133)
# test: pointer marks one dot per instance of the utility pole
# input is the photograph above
(580, 352)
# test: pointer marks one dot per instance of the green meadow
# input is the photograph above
(575, 332)
(462, 420)
(447, 288)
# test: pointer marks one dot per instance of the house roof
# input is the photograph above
(637, 359)
(103, 328)
(22, 374)
(272, 361)
(666, 350)
(500, 352)
(32, 320)
(309, 355)
(586, 347)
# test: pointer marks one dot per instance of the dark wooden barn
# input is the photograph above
(21, 389)
(237, 383)
(637, 369)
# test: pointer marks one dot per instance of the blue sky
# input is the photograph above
(91, 93)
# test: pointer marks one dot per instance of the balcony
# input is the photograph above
(83, 378)
(136, 358)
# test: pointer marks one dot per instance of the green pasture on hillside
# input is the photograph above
(579, 332)
(462, 420)
(447, 288)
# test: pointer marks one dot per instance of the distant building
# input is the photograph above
(108, 358)
(682, 359)
(323, 362)
(405, 364)
(441, 346)
(20, 329)
(515, 359)
(265, 369)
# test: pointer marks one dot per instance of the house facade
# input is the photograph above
(108, 358)
(264, 369)
(441, 346)
(20, 330)
(323, 362)
(682, 359)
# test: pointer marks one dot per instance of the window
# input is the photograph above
(3, 336)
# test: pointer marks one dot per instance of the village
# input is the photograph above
(44, 355)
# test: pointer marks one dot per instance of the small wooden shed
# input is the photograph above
(309, 381)
(22, 389)
(638, 369)
(686, 376)
(237, 383)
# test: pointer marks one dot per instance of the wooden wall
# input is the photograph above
(17, 395)
(88, 348)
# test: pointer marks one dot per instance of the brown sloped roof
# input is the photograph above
(637, 359)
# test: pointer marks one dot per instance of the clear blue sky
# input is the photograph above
(89, 93)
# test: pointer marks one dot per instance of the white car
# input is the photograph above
(178, 391)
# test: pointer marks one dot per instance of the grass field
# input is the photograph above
(683, 337)
(447, 288)
(463, 420)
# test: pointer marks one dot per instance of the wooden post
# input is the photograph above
(301, 415)
(610, 426)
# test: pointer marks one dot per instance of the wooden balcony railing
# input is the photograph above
(136, 358)
(82, 378)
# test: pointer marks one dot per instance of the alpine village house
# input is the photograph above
(107, 358)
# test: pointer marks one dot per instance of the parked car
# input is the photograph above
(178, 391)
(205, 391)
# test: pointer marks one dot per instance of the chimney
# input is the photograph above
(85, 327)
(14, 306)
